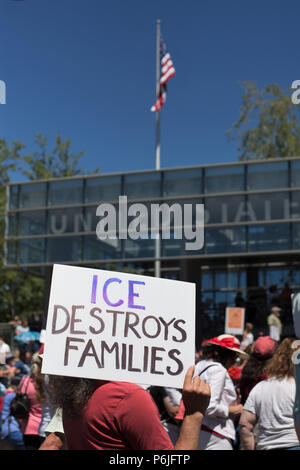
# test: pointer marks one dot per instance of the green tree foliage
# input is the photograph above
(9, 157)
(22, 291)
(57, 163)
(268, 126)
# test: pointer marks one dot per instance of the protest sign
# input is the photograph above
(234, 320)
(119, 326)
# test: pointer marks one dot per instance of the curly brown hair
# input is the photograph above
(281, 365)
(71, 393)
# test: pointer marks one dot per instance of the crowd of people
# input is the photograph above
(242, 394)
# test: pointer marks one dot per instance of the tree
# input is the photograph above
(21, 293)
(268, 126)
(18, 290)
(22, 290)
(9, 157)
(57, 163)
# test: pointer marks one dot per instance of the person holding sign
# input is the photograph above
(107, 415)
(106, 333)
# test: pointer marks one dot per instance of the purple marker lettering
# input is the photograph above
(132, 294)
(94, 289)
(106, 299)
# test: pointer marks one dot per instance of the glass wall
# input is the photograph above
(268, 206)
(31, 251)
(32, 223)
(142, 185)
(14, 197)
(225, 240)
(64, 249)
(224, 179)
(61, 221)
(245, 207)
(103, 188)
(269, 237)
(32, 195)
(267, 176)
(226, 209)
(66, 192)
(295, 173)
(182, 182)
(95, 249)
(139, 248)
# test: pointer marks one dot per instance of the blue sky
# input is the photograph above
(85, 69)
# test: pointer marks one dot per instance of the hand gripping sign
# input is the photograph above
(119, 326)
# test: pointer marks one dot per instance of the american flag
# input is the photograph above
(167, 71)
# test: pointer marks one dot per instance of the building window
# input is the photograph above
(270, 237)
(95, 249)
(31, 251)
(295, 174)
(267, 176)
(66, 192)
(268, 206)
(32, 223)
(139, 248)
(32, 195)
(142, 185)
(224, 179)
(296, 235)
(103, 188)
(221, 210)
(68, 221)
(14, 197)
(63, 249)
(182, 182)
(225, 240)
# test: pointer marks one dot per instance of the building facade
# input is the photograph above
(251, 251)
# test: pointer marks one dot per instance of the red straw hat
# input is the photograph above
(228, 342)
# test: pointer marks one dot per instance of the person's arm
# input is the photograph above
(235, 411)
(4, 373)
(216, 376)
(196, 396)
(297, 430)
(54, 441)
(247, 422)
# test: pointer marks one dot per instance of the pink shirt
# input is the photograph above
(32, 424)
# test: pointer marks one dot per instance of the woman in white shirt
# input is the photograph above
(270, 404)
(218, 430)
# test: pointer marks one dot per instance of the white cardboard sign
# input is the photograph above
(119, 326)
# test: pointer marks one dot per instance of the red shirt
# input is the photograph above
(118, 416)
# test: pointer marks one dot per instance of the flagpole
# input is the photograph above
(157, 145)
